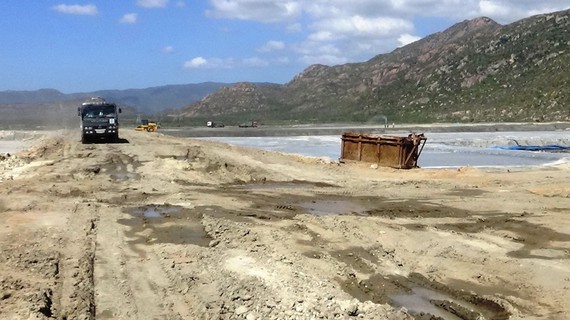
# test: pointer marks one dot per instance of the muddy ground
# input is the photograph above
(158, 227)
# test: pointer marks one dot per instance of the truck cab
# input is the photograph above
(99, 120)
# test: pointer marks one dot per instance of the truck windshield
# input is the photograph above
(99, 111)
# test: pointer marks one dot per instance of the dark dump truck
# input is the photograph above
(99, 120)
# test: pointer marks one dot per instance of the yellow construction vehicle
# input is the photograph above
(146, 125)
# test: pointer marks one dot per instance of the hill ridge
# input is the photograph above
(476, 70)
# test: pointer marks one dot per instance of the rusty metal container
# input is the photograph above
(386, 151)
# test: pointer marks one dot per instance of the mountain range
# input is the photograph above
(475, 71)
(148, 100)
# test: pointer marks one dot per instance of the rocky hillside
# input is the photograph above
(477, 70)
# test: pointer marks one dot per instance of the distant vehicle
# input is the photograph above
(212, 124)
(252, 124)
(148, 126)
(99, 120)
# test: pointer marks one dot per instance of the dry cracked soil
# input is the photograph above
(159, 227)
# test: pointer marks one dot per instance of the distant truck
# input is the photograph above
(212, 124)
(251, 124)
(99, 120)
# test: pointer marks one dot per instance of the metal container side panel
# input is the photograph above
(350, 151)
(369, 151)
(390, 156)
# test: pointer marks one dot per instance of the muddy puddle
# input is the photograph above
(294, 184)
(121, 167)
(123, 176)
(537, 241)
(163, 223)
(156, 211)
(332, 207)
(376, 206)
(318, 198)
(298, 197)
(424, 299)
(174, 157)
(469, 193)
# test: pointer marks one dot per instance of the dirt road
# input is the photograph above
(157, 227)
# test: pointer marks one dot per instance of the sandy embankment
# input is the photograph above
(12, 141)
(158, 227)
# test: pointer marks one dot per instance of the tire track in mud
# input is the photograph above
(59, 264)
(113, 293)
(74, 294)
(130, 281)
(115, 289)
(77, 299)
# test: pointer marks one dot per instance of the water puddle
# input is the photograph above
(294, 184)
(470, 193)
(332, 207)
(156, 211)
(357, 258)
(121, 167)
(174, 157)
(422, 298)
(164, 223)
(124, 176)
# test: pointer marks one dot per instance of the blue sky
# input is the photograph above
(80, 46)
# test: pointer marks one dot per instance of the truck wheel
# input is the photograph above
(84, 139)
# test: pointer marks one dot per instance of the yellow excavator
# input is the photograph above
(148, 126)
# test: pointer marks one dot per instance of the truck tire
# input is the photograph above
(84, 138)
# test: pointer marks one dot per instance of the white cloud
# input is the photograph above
(339, 31)
(360, 27)
(316, 52)
(493, 8)
(196, 63)
(88, 9)
(272, 45)
(229, 63)
(152, 3)
(329, 60)
(294, 27)
(322, 36)
(316, 48)
(181, 4)
(129, 18)
(256, 10)
(506, 11)
(254, 62)
(168, 49)
(407, 38)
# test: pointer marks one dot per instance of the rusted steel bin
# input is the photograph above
(386, 151)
